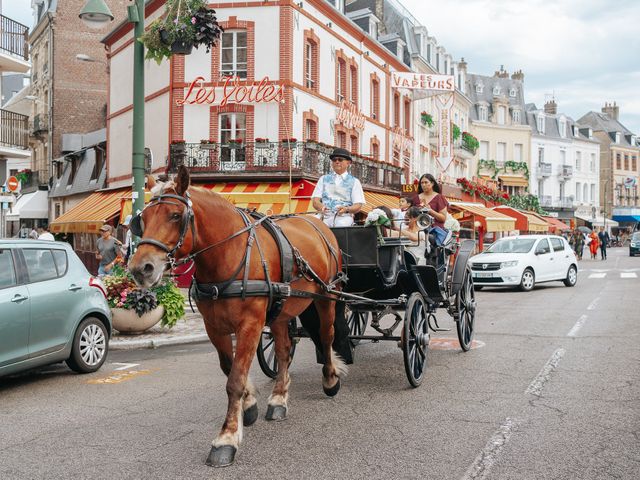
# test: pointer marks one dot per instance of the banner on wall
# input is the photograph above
(423, 81)
(232, 90)
(444, 104)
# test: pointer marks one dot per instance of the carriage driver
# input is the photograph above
(338, 195)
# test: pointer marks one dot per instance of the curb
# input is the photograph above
(159, 342)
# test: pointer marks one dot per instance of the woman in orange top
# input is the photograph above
(595, 243)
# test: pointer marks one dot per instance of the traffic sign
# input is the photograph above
(12, 184)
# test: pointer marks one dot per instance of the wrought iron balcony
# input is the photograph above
(276, 159)
(566, 171)
(14, 130)
(565, 202)
(544, 169)
(545, 200)
(14, 38)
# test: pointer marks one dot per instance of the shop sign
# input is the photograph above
(233, 90)
(349, 116)
(401, 141)
(423, 81)
(409, 188)
(445, 156)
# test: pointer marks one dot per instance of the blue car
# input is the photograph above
(51, 308)
(634, 245)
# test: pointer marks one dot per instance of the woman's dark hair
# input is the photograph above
(431, 178)
(414, 212)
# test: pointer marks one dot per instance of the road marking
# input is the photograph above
(535, 387)
(578, 325)
(125, 366)
(628, 275)
(445, 343)
(118, 377)
(597, 275)
(592, 305)
(487, 457)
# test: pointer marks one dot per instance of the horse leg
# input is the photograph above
(224, 347)
(277, 406)
(334, 367)
(226, 444)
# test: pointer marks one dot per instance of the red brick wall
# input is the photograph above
(285, 129)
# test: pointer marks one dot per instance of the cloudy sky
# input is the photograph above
(583, 52)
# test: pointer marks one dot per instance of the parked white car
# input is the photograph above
(525, 260)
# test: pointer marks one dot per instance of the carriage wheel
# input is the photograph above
(357, 321)
(466, 303)
(415, 339)
(267, 353)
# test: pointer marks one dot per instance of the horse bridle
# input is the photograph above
(137, 225)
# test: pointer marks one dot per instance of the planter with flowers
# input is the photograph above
(469, 142)
(206, 144)
(289, 142)
(426, 119)
(24, 176)
(262, 142)
(235, 143)
(184, 24)
(135, 309)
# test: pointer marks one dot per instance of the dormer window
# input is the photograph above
(634, 140)
(617, 137)
(590, 133)
(540, 121)
(496, 90)
(483, 113)
(513, 92)
(563, 128)
(479, 88)
(516, 117)
(576, 131)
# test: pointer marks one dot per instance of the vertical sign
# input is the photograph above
(445, 149)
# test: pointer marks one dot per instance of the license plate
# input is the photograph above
(483, 274)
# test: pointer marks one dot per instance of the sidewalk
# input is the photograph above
(189, 329)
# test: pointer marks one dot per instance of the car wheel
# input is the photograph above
(572, 276)
(528, 280)
(90, 346)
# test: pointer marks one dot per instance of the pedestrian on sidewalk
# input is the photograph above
(108, 248)
(578, 243)
(604, 238)
(594, 244)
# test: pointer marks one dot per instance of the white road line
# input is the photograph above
(597, 275)
(487, 457)
(535, 388)
(578, 325)
(628, 275)
(125, 366)
(592, 305)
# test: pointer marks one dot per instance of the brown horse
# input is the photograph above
(181, 221)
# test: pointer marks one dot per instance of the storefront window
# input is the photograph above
(234, 53)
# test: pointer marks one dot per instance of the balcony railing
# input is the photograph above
(14, 37)
(544, 169)
(565, 202)
(545, 200)
(14, 129)
(566, 171)
(277, 159)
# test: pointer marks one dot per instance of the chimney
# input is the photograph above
(612, 110)
(518, 76)
(551, 107)
(462, 65)
(502, 73)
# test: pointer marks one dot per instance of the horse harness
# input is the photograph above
(277, 292)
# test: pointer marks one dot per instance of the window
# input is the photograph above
(517, 152)
(484, 150)
(375, 99)
(98, 164)
(634, 163)
(479, 88)
(585, 192)
(540, 124)
(40, 264)
(563, 129)
(7, 271)
(626, 162)
(540, 154)
(60, 259)
(557, 244)
(563, 157)
(502, 115)
(354, 144)
(341, 87)
(232, 126)
(407, 115)
(593, 192)
(578, 161)
(311, 64)
(513, 92)
(310, 130)
(341, 139)
(578, 192)
(429, 52)
(396, 110)
(617, 137)
(543, 247)
(496, 90)
(437, 65)
(540, 188)
(618, 162)
(74, 161)
(592, 163)
(234, 53)
(354, 85)
(375, 151)
(501, 152)
(483, 113)
(516, 117)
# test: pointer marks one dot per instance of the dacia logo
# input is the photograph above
(484, 266)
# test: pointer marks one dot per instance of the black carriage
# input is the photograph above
(383, 279)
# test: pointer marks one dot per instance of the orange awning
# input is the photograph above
(91, 213)
(374, 200)
(270, 198)
(491, 220)
(556, 225)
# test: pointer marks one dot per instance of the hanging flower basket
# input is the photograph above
(182, 47)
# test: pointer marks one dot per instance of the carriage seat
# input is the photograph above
(389, 259)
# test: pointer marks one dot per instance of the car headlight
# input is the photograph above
(634, 244)
(511, 263)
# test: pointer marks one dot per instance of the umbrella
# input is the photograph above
(584, 229)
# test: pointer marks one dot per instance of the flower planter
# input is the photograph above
(128, 322)
(208, 146)
(183, 47)
(234, 145)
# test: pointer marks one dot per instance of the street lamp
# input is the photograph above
(96, 12)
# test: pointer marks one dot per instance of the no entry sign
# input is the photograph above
(13, 184)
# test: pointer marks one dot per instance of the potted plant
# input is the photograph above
(470, 142)
(262, 142)
(135, 309)
(235, 143)
(185, 24)
(207, 144)
(289, 142)
(426, 119)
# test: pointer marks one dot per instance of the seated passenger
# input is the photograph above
(412, 231)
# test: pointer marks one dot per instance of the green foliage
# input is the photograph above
(426, 119)
(470, 142)
(456, 131)
(170, 297)
(517, 167)
(526, 202)
(492, 166)
(488, 165)
(142, 301)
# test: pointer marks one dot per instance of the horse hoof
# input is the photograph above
(276, 413)
(250, 415)
(221, 456)
(331, 392)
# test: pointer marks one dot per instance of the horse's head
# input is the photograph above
(166, 229)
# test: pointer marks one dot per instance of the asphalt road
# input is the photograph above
(551, 392)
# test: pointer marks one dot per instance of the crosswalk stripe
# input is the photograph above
(597, 275)
(628, 275)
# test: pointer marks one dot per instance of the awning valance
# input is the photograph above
(270, 198)
(491, 220)
(513, 181)
(525, 221)
(91, 213)
(556, 225)
(30, 205)
(598, 221)
(536, 224)
(374, 200)
(627, 218)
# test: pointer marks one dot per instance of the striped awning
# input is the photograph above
(513, 181)
(91, 213)
(374, 200)
(490, 220)
(269, 198)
